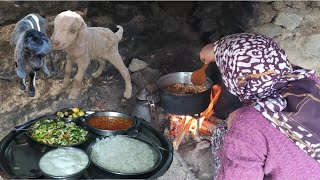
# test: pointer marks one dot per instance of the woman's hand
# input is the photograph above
(207, 54)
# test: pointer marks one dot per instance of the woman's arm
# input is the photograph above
(244, 149)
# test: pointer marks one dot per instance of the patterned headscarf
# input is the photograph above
(257, 70)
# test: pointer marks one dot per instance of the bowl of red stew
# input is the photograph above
(110, 123)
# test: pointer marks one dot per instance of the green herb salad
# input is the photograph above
(57, 133)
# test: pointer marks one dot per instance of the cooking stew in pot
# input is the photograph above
(185, 88)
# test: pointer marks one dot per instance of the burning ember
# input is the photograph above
(180, 125)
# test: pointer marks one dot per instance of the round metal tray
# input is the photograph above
(19, 155)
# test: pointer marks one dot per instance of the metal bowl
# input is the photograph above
(157, 158)
(103, 132)
(75, 120)
(76, 175)
(29, 134)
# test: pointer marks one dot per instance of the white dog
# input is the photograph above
(82, 43)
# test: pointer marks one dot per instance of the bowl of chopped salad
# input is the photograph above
(57, 133)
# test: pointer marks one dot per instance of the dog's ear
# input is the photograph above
(19, 56)
(82, 31)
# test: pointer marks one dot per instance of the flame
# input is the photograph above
(215, 93)
(194, 125)
(182, 120)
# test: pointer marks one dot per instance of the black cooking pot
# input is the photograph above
(183, 104)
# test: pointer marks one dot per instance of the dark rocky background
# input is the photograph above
(165, 35)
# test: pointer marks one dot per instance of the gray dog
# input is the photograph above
(31, 48)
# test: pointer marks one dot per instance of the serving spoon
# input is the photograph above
(199, 77)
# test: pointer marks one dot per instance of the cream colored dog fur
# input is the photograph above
(82, 44)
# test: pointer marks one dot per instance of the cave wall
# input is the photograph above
(295, 25)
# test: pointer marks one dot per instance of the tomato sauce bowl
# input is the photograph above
(110, 123)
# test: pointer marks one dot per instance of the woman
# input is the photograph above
(276, 135)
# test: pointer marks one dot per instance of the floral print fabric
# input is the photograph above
(257, 70)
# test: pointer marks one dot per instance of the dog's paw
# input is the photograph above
(32, 93)
(22, 87)
(22, 84)
(127, 94)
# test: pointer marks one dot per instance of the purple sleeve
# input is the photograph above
(315, 79)
(244, 148)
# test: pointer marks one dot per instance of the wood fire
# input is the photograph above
(180, 125)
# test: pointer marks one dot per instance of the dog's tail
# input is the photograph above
(119, 33)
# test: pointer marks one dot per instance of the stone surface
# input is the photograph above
(316, 3)
(311, 46)
(137, 65)
(11, 11)
(288, 20)
(300, 5)
(199, 158)
(209, 25)
(302, 51)
(263, 13)
(312, 19)
(269, 30)
(146, 77)
(179, 170)
(284, 6)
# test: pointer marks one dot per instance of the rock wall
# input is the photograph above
(11, 11)
(295, 25)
